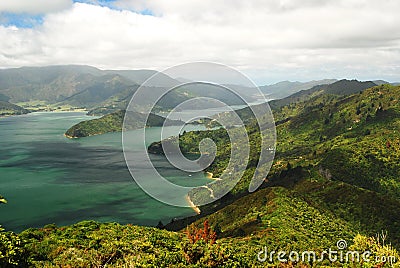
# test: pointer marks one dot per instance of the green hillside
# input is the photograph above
(341, 87)
(330, 131)
(336, 176)
(346, 142)
(275, 218)
(289, 106)
(284, 89)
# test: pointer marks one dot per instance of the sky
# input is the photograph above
(268, 40)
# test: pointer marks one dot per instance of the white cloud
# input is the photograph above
(269, 40)
(34, 6)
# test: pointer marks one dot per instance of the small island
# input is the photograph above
(114, 123)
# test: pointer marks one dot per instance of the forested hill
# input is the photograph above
(297, 101)
(341, 87)
(114, 122)
(338, 154)
(284, 89)
(327, 125)
(7, 108)
(335, 177)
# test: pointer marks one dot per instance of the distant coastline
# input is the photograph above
(46, 111)
(58, 110)
(210, 176)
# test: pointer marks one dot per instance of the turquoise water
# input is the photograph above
(48, 178)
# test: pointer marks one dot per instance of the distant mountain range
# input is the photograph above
(103, 91)
(286, 88)
(107, 91)
(78, 86)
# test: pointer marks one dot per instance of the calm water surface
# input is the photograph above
(48, 178)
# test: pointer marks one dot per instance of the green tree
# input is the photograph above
(12, 252)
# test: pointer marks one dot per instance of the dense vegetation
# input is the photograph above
(284, 89)
(275, 218)
(114, 123)
(353, 139)
(342, 87)
(338, 153)
(336, 175)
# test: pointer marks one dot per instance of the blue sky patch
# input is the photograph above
(111, 4)
(20, 20)
(102, 3)
(25, 20)
(147, 12)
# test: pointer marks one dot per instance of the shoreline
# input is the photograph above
(54, 111)
(60, 111)
(196, 209)
(70, 137)
(192, 205)
(10, 115)
(210, 175)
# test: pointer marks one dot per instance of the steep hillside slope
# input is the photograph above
(327, 125)
(347, 145)
(286, 88)
(341, 87)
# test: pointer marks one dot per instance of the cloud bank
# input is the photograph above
(268, 40)
(34, 7)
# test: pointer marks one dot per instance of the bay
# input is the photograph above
(48, 178)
